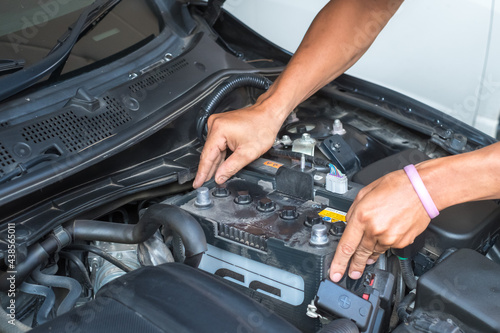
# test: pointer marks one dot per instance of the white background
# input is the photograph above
(445, 53)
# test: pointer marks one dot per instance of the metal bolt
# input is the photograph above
(458, 142)
(203, 199)
(319, 235)
(285, 139)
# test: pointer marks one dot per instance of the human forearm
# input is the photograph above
(450, 181)
(339, 35)
(465, 177)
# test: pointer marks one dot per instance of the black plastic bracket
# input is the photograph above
(295, 183)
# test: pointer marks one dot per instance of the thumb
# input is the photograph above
(234, 163)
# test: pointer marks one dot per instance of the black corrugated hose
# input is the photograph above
(408, 275)
(231, 84)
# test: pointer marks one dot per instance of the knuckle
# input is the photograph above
(377, 230)
(358, 265)
(363, 251)
(388, 241)
(253, 154)
(362, 217)
(214, 121)
(362, 193)
(346, 249)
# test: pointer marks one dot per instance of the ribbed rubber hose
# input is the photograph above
(224, 89)
(74, 288)
(408, 275)
(340, 326)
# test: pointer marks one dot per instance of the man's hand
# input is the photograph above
(341, 32)
(387, 213)
(248, 132)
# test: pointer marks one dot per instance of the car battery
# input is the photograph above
(274, 247)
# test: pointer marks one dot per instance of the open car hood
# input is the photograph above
(119, 142)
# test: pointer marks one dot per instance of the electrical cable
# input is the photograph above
(79, 264)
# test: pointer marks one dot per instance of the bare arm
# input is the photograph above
(388, 213)
(339, 35)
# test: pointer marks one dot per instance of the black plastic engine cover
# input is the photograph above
(467, 286)
(170, 298)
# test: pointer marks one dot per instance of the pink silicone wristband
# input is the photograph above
(422, 192)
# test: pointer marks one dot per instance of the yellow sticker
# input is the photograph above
(273, 164)
(335, 215)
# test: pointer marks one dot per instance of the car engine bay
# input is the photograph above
(124, 240)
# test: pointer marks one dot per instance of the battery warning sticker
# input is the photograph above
(335, 215)
(273, 164)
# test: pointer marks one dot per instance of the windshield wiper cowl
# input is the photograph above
(25, 78)
(7, 65)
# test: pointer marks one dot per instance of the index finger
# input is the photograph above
(234, 163)
(345, 250)
(211, 154)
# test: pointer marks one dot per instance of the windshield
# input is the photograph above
(29, 29)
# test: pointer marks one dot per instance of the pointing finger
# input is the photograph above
(212, 154)
(345, 250)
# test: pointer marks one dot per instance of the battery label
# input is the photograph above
(335, 215)
(273, 164)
